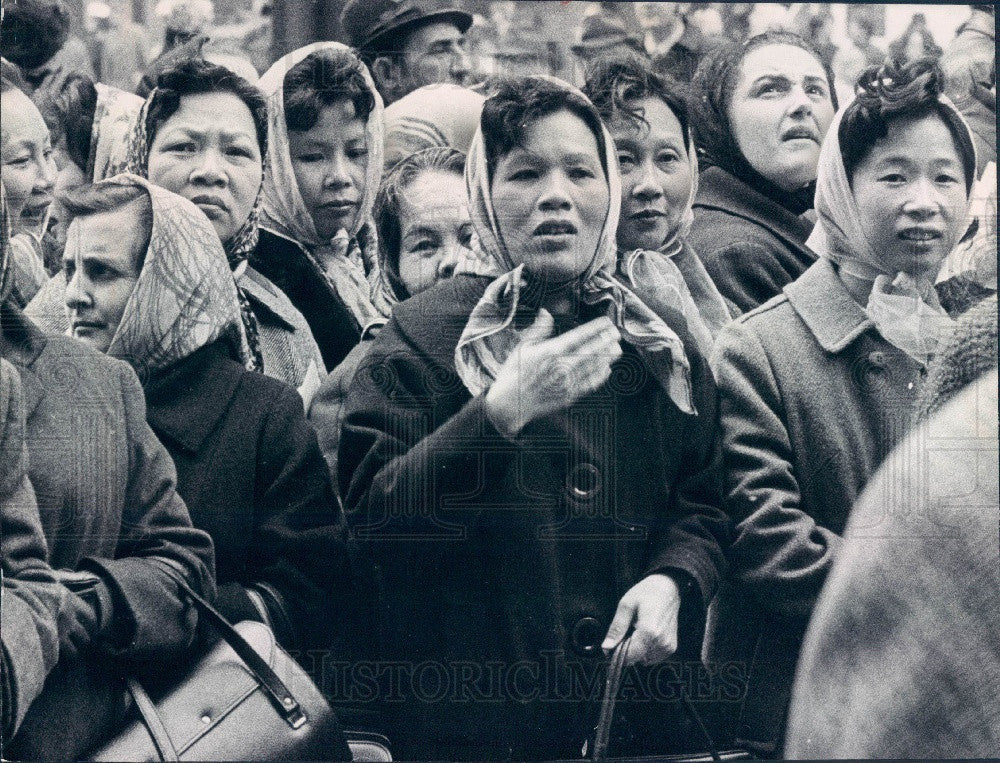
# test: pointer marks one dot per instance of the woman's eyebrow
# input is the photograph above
(779, 78)
(421, 230)
(812, 79)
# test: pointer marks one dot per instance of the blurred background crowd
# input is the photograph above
(116, 40)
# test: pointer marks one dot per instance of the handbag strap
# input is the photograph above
(611, 685)
(279, 694)
(151, 719)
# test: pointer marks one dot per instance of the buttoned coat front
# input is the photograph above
(507, 553)
(812, 400)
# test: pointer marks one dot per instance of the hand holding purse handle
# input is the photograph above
(612, 683)
(279, 694)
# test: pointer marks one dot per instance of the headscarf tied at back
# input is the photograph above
(491, 335)
(237, 249)
(904, 309)
(185, 296)
(351, 265)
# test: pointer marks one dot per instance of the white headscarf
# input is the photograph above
(905, 309)
(115, 114)
(491, 335)
(355, 267)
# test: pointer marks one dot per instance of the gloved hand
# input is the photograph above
(86, 615)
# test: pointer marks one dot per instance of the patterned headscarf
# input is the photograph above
(491, 335)
(905, 309)
(354, 258)
(114, 118)
(237, 249)
(185, 296)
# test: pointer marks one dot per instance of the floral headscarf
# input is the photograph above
(114, 118)
(185, 296)
(237, 249)
(491, 335)
(904, 309)
(352, 260)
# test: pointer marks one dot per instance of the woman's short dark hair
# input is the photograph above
(388, 202)
(896, 90)
(196, 76)
(320, 80)
(70, 114)
(515, 103)
(615, 83)
(94, 199)
(713, 86)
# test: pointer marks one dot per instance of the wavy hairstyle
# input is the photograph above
(898, 90)
(320, 80)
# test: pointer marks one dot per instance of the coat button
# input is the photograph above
(586, 636)
(583, 482)
(877, 359)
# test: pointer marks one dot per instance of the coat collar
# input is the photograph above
(21, 342)
(267, 297)
(827, 308)
(724, 191)
(187, 401)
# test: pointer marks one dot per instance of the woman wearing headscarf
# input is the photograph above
(647, 118)
(28, 176)
(759, 111)
(113, 536)
(317, 241)
(148, 283)
(424, 234)
(819, 384)
(531, 459)
(94, 122)
(180, 144)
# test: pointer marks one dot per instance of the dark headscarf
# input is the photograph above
(713, 87)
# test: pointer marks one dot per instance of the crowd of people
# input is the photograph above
(462, 380)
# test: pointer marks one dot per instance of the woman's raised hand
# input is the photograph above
(545, 374)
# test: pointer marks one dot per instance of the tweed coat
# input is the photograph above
(105, 486)
(251, 473)
(31, 598)
(901, 659)
(488, 551)
(107, 499)
(812, 400)
(750, 244)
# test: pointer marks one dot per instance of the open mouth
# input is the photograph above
(555, 228)
(800, 133)
(920, 235)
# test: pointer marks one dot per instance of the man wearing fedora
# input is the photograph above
(408, 43)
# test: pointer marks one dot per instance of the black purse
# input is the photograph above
(602, 733)
(246, 699)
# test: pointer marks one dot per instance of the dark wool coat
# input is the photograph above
(333, 326)
(105, 488)
(251, 473)
(812, 401)
(751, 245)
(31, 598)
(500, 563)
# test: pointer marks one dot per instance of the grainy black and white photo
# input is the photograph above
(515, 380)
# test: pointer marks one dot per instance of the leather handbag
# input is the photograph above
(245, 699)
(612, 683)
